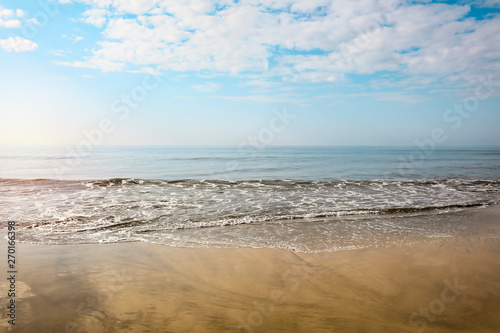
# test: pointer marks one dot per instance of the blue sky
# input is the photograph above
(206, 72)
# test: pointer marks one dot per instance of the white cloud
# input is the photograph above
(72, 38)
(95, 17)
(60, 53)
(4, 12)
(302, 40)
(10, 23)
(17, 44)
(32, 20)
(262, 84)
(487, 3)
(101, 64)
(20, 13)
(145, 70)
(8, 17)
(206, 87)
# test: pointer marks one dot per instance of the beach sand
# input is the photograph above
(441, 285)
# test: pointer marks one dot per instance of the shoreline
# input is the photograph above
(441, 285)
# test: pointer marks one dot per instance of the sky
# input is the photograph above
(272, 72)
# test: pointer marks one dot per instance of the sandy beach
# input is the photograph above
(441, 285)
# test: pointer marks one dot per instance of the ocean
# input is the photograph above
(308, 199)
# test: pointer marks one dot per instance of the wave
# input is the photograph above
(288, 182)
(239, 220)
(103, 209)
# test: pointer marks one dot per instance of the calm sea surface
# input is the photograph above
(303, 198)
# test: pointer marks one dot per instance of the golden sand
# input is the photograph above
(443, 285)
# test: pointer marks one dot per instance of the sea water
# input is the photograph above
(303, 198)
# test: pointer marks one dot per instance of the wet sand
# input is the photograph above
(442, 285)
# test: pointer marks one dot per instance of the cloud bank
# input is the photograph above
(302, 40)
